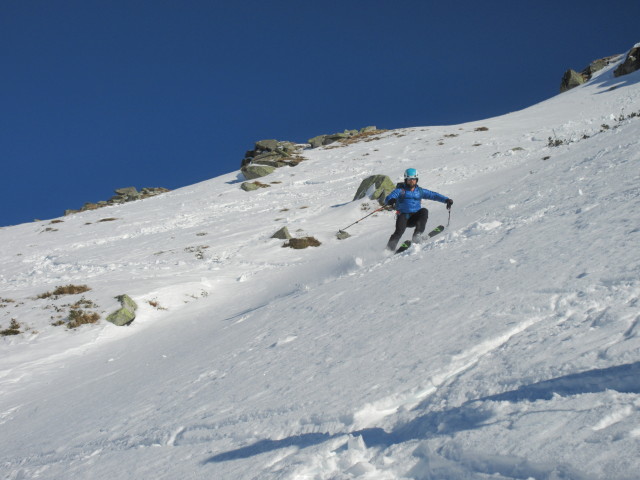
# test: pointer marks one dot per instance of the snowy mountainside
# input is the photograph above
(507, 347)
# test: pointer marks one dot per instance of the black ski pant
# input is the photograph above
(404, 220)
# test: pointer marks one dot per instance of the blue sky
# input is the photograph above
(98, 95)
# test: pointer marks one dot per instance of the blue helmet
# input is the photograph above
(410, 173)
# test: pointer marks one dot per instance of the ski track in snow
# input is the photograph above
(505, 347)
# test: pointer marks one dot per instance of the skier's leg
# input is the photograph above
(420, 220)
(401, 226)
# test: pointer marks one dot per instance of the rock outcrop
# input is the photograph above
(122, 195)
(630, 64)
(323, 140)
(572, 79)
(268, 155)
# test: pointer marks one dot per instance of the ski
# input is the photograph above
(406, 244)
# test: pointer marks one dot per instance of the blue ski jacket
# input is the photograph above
(409, 201)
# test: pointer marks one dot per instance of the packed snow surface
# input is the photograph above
(507, 347)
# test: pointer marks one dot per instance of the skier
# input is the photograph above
(406, 199)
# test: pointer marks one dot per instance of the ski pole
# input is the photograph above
(375, 211)
(449, 221)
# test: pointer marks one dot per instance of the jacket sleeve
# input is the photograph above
(395, 194)
(429, 195)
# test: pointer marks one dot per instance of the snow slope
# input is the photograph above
(506, 348)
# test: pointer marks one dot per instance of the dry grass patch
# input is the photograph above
(79, 317)
(110, 219)
(65, 290)
(14, 329)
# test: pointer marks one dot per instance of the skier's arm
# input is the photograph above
(429, 195)
(392, 196)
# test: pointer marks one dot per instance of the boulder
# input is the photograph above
(368, 129)
(256, 171)
(329, 139)
(126, 314)
(571, 79)
(304, 242)
(127, 191)
(282, 234)
(376, 187)
(250, 186)
(630, 64)
(318, 141)
(269, 145)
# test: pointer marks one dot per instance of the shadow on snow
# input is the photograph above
(469, 416)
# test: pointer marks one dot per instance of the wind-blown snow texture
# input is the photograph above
(506, 348)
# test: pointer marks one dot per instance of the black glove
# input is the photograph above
(391, 205)
(449, 203)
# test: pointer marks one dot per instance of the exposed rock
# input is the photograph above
(124, 192)
(273, 153)
(316, 142)
(123, 195)
(347, 135)
(126, 314)
(376, 187)
(282, 234)
(300, 243)
(256, 171)
(630, 64)
(250, 186)
(571, 79)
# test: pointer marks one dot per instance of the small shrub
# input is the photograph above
(556, 142)
(84, 303)
(604, 127)
(481, 129)
(155, 304)
(79, 317)
(451, 135)
(198, 250)
(56, 221)
(110, 219)
(14, 329)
